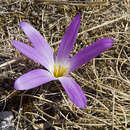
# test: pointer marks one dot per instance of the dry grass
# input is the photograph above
(105, 80)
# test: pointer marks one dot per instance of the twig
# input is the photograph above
(104, 24)
(10, 62)
(103, 3)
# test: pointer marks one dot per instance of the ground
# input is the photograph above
(105, 80)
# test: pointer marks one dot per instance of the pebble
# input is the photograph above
(6, 120)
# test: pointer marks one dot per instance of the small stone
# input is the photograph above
(34, 13)
(6, 120)
(6, 116)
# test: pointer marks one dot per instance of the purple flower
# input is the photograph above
(58, 66)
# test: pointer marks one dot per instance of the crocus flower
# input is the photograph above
(60, 65)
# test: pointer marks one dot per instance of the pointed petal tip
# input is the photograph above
(84, 104)
(17, 86)
(13, 42)
(107, 42)
(23, 23)
(78, 16)
(83, 107)
(26, 27)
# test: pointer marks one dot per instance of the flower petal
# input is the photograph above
(37, 40)
(88, 53)
(74, 91)
(31, 53)
(33, 79)
(69, 39)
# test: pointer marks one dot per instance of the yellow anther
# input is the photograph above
(55, 70)
(59, 71)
